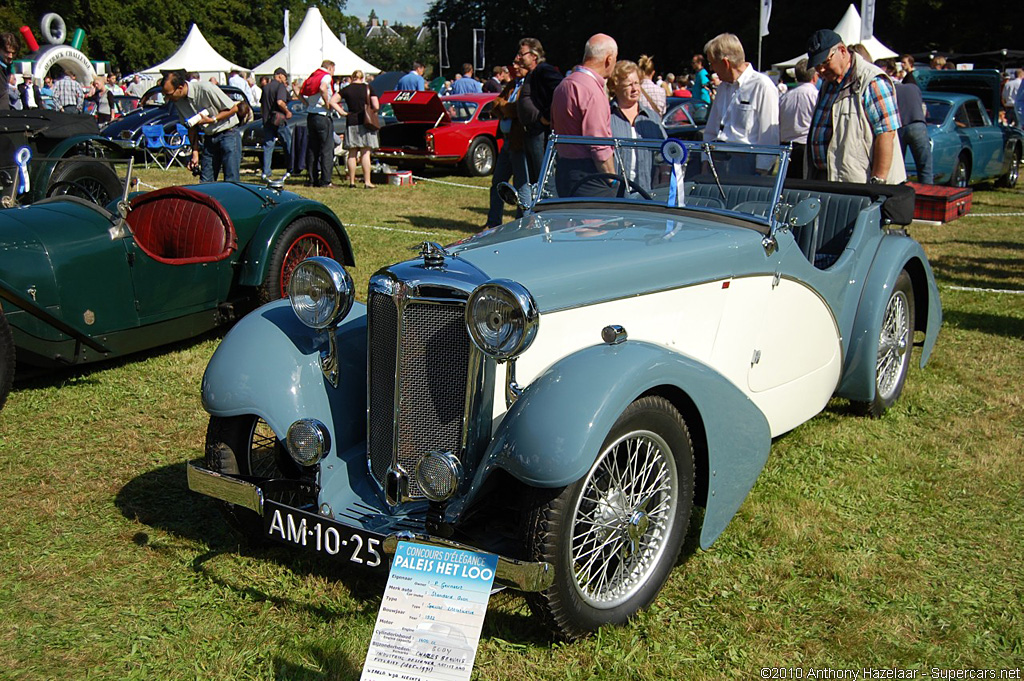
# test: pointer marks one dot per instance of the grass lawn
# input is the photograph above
(896, 542)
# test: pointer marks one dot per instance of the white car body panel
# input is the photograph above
(721, 324)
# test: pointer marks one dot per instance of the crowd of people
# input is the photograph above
(847, 118)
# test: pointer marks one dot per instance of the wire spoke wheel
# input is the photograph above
(893, 345)
(613, 536)
(306, 246)
(306, 237)
(622, 518)
(895, 342)
(246, 446)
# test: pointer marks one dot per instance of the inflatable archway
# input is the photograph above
(68, 58)
(56, 53)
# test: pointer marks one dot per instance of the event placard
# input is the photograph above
(430, 618)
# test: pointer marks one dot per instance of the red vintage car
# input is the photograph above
(440, 130)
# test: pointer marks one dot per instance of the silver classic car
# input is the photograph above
(564, 389)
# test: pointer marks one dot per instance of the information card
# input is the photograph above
(430, 618)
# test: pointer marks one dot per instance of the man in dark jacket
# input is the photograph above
(8, 50)
(913, 131)
(534, 104)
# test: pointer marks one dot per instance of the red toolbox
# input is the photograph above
(941, 204)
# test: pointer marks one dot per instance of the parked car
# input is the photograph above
(68, 156)
(252, 132)
(563, 389)
(967, 145)
(126, 131)
(453, 130)
(81, 283)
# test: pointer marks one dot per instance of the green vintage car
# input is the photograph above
(65, 155)
(81, 282)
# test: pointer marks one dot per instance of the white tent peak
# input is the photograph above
(196, 54)
(848, 29)
(311, 44)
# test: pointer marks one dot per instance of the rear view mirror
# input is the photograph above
(508, 194)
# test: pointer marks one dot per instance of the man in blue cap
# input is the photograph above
(853, 130)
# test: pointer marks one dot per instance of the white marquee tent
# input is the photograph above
(310, 45)
(196, 54)
(848, 29)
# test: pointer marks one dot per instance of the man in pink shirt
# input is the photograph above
(580, 106)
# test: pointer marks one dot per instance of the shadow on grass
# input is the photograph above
(431, 223)
(160, 499)
(996, 325)
(979, 272)
(29, 377)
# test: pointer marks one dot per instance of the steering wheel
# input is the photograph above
(615, 178)
(72, 188)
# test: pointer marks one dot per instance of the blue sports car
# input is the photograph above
(967, 147)
(563, 390)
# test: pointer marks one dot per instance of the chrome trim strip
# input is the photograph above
(223, 487)
(511, 572)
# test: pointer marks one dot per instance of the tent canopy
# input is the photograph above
(311, 44)
(848, 29)
(196, 54)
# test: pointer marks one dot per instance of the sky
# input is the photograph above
(408, 12)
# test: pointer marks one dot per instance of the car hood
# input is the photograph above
(411, 106)
(985, 84)
(568, 258)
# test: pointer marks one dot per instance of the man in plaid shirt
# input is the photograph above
(853, 135)
(67, 93)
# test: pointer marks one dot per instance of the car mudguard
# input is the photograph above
(553, 433)
(41, 176)
(269, 365)
(257, 253)
(895, 253)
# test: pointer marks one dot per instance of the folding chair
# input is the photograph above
(155, 144)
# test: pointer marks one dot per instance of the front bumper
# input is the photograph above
(424, 157)
(517, 574)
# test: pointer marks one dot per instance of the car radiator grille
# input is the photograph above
(426, 346)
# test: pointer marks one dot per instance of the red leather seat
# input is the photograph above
(181, 226)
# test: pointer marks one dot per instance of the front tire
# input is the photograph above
(613, 536)
(307, 237)
(480, 157)
(7, 359)
(961, 176)
(90, 179)
(246, 446)
(895, 341)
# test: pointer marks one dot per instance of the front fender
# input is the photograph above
(257, 253)
(552, 435)
(896, 253)
(269, 365)
(41, 176)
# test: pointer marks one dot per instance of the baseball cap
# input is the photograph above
(820, 44)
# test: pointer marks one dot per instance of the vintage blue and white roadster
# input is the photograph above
(564, 389)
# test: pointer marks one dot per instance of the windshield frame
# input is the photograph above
(772, 221)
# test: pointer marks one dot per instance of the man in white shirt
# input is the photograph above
(795, 111)
(1010, 91)
(746, 106)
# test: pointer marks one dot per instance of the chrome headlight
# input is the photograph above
(502, 318)
(308, 441)
(321, 292)
(439, 475)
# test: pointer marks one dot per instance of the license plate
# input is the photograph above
(322, 535)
